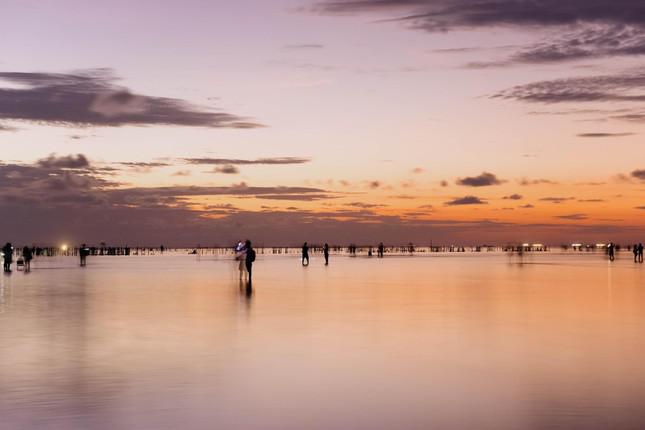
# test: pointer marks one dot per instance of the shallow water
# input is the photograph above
(446, 341)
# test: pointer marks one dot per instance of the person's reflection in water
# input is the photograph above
(246, 291)
(249, 290)
(4, 296)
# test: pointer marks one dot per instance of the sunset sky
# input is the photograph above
(452, 121)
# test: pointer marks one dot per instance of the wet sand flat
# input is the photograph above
(442, 341)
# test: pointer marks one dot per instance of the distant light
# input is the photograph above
(600, 245)
(576, 245)
(64, 247)
(526, 244)
(538, 245)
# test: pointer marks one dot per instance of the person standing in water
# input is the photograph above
(83, 253)
(640, 252)
(7, 252)
(249, 258)
(305, 254)
(240, 255)
(27, 256)
(635, 251)
(611, 251)
(380, 250)
(326, 253)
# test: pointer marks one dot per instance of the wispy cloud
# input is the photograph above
(445, 15)
(245, 162)
(604, 135)
(77, 161)
(639, 174)
(365, 205)
(298, 46)
(72, 180)
(142, 166)
(525, 182)
(467, 200)
(579, 29)
(513, 197)
(624, 87)
(227, 169)
(556, 200)
(573, 217)
(587, 42)
(301, 197)
(93, 98)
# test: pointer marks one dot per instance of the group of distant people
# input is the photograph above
(7, 257)
(245, 254)
(325, 249)
(637, 250)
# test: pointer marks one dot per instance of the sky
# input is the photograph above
(426, 121)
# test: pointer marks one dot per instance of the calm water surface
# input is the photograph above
(471, 341)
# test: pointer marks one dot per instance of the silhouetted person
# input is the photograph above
(369, 252)
(635, 251)
(7, 252)
(611, 249)
(380, 250)
(305, 254)
(249, 259)
(640, 252)
(83, 253)
(27, 256)
(326, 254)
(162, 249)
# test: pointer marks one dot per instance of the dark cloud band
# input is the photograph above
(92, 98)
